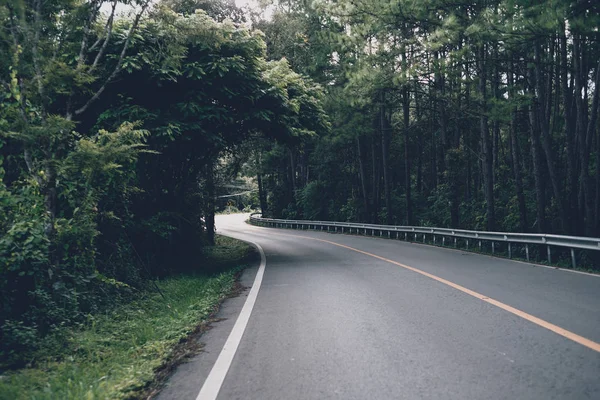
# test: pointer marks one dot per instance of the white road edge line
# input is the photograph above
(214, 381)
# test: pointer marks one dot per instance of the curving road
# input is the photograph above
(347, 317)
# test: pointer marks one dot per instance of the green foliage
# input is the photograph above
(112, 129)
(116, 355)
(311, 201)
(49, 279)
(477, 115)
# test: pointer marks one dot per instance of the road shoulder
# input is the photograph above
(188, 377)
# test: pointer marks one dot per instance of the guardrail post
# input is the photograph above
(397, 234)
(573, 261)
(549, 254)
(405, 236)
(423, 238)
(467, 244)
(493, 247)
(509, 251)
(454, 242)
(527, 251)
(415, 237)
(480, 245)
(443, 241)
(434, 239)
(389, 233)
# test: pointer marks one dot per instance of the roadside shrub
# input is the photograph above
(311, 202)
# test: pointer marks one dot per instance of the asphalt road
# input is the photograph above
(333, 323)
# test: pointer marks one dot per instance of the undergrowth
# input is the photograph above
(117, 354)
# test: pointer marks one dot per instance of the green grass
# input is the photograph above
(119, 354)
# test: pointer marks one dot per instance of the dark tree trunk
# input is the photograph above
(453, 171)
(376, 182)
(210, 204)
(593, 219)
(363, 184)
(569, 126)
(262, 196)
(540, 109)
(537, 172)
(385, 153)
(597, 207)
(587, 130)
(420, 164)
(515, 157)
(486, 146)
(293, 170)
(496, 123)
(406, 115)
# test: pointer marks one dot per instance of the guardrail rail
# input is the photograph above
(393, 231)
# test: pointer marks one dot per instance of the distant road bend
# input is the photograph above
(333, 316)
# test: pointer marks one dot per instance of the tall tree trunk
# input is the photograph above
(293, 170)
(597, 213)
(376, 182)
(406, 117)
(586, 130)
(363, 184)
(385, 153)
(540, 109)
(420, 164)
(592, 214)
(495, 81)
(210, 204)
(569, 126)
(515, 156)
(537, 171)
(262, 196)
(486, 145)
(439, 103)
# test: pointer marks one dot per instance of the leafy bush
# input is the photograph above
(311, 201)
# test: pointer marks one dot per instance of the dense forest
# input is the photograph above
(118, 130)
(477, 115)
(112, 127)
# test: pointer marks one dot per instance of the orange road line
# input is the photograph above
(590, 344)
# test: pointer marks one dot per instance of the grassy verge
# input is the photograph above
(120, 354)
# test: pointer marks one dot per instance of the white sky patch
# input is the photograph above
(125, 10)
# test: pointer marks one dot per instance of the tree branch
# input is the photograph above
(119, 63)
(109, 26)
(95, 7)
(35, 53)
(108, 22)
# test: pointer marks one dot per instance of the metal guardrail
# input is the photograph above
(392, 231)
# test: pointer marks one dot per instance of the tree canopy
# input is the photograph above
(112, 132)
